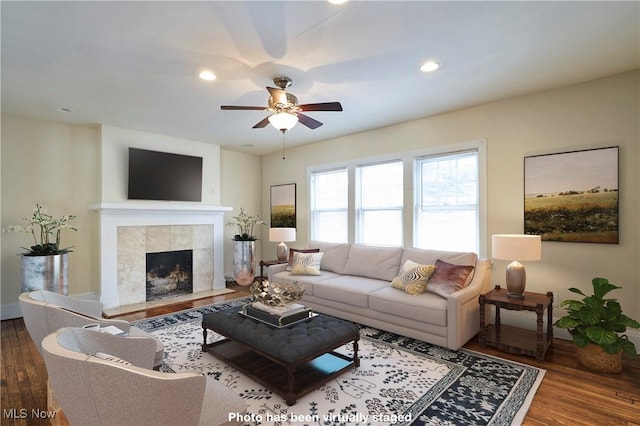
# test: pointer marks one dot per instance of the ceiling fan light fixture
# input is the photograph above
(283, 121)
(207, 75)
(430, 66)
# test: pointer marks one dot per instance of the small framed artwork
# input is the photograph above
(573, 196)
(283, 206)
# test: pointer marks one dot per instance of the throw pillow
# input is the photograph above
(306, 263)
(413, 277)
(448, 278)
(292, 251)
(112, 358)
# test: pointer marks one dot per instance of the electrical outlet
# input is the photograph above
(556, 302)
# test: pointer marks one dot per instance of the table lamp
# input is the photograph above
(516, 247)
(282, 235)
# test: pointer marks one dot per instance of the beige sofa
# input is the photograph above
(354, 284)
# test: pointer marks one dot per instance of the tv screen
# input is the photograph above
(164, 176)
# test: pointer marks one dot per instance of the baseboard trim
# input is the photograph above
(10, 311)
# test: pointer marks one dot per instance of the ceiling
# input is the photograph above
(135, 64)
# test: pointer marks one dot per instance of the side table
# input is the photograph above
(268, 263)
(517, 340)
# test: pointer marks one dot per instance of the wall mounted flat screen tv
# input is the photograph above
(155, 175)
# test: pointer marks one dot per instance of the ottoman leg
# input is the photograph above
(204, 335)
(291, 395)
(356, 360)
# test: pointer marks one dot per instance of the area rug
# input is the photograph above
(400, 381)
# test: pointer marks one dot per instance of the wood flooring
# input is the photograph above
(569, 394)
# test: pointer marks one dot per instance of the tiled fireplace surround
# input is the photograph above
(130, 230)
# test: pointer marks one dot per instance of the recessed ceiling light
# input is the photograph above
(429, 66)
(207, 75)
(337, 1)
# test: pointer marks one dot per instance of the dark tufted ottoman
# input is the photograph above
(291, 361)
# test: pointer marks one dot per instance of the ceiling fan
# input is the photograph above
(286, 110)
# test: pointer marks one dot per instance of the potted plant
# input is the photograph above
(597, 326)
(244, 247)
(44, 264)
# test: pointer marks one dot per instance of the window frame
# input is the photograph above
(408, 158)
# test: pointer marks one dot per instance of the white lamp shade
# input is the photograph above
(282, 234)
(283, 120)
(516, 247)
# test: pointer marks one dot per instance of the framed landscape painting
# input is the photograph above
(573, 196)
(283, 206)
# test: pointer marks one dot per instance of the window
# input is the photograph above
(329, 206)
(379, 204)
(447, 208)
(433, 198)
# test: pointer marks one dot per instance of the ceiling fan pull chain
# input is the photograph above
(283, 145)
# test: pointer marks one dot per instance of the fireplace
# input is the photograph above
(130, 230)
(169, 273)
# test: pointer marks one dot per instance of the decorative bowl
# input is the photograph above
(276, 294)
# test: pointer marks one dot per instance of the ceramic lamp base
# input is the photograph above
(282, 252)
(516, 280)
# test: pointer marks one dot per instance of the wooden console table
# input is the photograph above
(517, 340)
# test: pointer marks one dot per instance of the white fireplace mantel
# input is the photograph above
(114, 215)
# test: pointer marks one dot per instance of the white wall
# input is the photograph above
(55, 165)
(599, 113)
(241, 187)
(69, 168)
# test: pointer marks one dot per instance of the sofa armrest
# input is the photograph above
(463, 312)
(274, 269)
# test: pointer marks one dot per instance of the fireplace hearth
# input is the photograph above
(169, 274)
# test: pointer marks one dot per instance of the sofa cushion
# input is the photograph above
(306, 263)
(382, 263)
(448, 278)
(429, 257)
(306, 281)
(426, 307)
(347, 289)
(413, 277)
(335, 255)
(292, 251)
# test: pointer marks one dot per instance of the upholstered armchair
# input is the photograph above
(98, 384)
(45, 312)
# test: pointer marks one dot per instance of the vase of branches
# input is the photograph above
(244, 246)
(44, 265)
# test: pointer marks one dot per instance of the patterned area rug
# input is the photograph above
(400, 381)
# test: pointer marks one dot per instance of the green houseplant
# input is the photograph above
(596, 321)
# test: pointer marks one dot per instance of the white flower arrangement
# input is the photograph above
(44, 228)
(245, 224)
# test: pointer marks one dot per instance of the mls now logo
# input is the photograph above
(23, 413)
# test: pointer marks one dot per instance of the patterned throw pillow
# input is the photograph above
(448, 278)
(306, 263)
(112, 358)
(293, 251)
(413, 277)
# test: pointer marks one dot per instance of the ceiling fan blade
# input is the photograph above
(240, 107)
(279, 96)
(324, 106)
(262, 123)
(308, 121)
